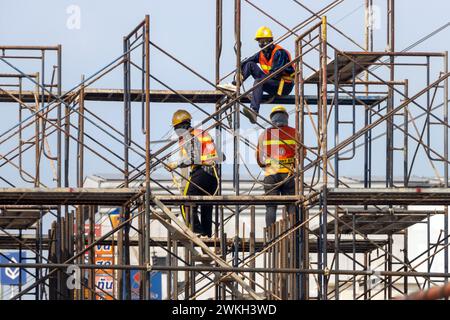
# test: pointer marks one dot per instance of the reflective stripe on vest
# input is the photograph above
(266, 65)
(278, 149)
(272, 142)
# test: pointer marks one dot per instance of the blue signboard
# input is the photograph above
(12, 276)
(156, 285)
(156, 288)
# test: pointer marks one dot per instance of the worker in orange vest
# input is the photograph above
(199, 153)
(276, 153)
(271, 58)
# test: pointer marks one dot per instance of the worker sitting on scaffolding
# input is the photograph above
(276, 154)
(271, 58)
(199, 153)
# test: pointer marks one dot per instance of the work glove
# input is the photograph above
(171, 166)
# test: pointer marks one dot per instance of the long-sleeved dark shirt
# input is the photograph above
(280, 59)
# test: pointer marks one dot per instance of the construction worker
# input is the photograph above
(276, 154)
(199, 153)
(271, 58)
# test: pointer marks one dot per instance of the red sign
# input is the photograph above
(97, 230)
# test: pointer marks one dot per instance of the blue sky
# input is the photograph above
(186, 29)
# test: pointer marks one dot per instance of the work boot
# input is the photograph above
(198, 229)
(204, 237)
(227, 87)
(250, 114)
(206, 234)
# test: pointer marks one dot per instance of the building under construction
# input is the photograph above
(121, 236)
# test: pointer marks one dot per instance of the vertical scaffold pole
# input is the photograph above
(220, 289)
(127, 141)
(390, 101)
(301, 236)
(298, 160)
(58, 171)
(368, 35)
(324, 153)
(446, 162)
(236, 125)
(80, 158)
(252, 249)
(336, 172)
(390, 127)
(146, 283)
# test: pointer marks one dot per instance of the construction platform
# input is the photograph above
(348, 67)
(345, 246)
(373, 221)
(350, 64)
(20, 218)
(67, 196)
(121, 196)
(388, 196)
(180, 96)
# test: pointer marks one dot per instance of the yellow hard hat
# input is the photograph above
(180, 116)
(263, 32)
(278, 109)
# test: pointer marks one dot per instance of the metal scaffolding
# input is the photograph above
(348, 105)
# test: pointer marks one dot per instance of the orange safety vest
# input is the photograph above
(266, 65)
(208, 148)
(278, 149)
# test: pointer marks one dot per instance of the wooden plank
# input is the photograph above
(166, 96)
(362, 63)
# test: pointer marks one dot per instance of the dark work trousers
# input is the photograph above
(273, 186)
(270, 86)
(200, 180)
